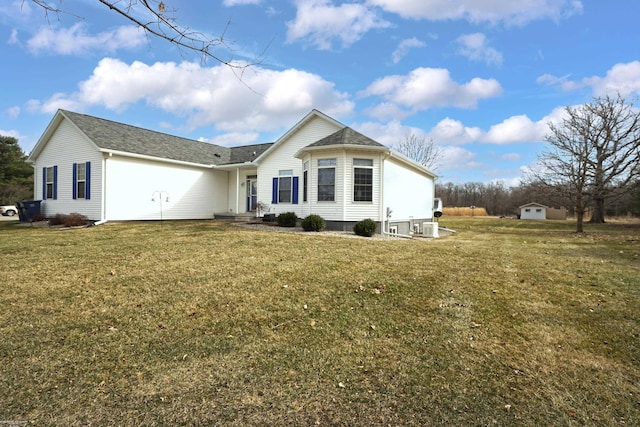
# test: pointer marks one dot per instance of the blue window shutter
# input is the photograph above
(44, 183)
(87, 181)
(74, 189)
(55, 182)
(274, 191)
(294, 196)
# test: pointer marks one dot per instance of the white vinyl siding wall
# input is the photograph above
(282, 157)
(356, 211)
(329, 210)
(66, 147)
(536, 212)
(407, 192)
(194, 193)
(344, 208)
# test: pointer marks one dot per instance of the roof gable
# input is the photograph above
(531, 205)
(346, 136)
(313, 114)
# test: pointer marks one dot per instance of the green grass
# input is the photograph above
(202, 323)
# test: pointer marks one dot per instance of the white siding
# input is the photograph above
(282, 157)
(533, 212)
(332, 211)
(66, 147)
(407, 192)
(356, 211)
(194, 193)
(343, 208)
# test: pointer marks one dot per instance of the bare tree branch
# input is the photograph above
(594, 153)
(419, 149)
(163, 25)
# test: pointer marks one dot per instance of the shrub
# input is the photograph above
(71, 220)
(366, 227)
(57, 219)
(287, 219)
(313, 223)
(75, 220)
(38, 218)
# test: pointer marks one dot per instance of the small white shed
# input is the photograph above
(533, 211)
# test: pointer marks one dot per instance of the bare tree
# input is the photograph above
(157, 20)
(594, 154)
(565, 165)
(419, 149)
(613, 165)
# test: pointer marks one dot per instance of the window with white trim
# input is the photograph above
(326, 180)
(305, 183)
(81, 180)
(285, 185)
(362, 180)
(49, 183)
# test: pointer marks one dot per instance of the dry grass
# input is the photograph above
(464, 211)
(195, 323)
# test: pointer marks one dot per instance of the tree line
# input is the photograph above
(501, 200)
(591, 166)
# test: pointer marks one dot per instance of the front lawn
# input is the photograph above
(505, 322)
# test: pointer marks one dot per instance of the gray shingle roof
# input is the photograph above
(248, 153)
(110, 135)
(346, 136)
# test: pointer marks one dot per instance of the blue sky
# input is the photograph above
(482, 78)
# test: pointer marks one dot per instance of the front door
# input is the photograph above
(252, 193)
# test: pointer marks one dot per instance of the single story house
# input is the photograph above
(110, 171)
(533, 211)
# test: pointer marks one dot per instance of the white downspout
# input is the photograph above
(105, 161)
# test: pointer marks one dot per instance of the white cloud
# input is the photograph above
(516, 129)
(17, 12)
(476, 47)
(13, 112)
(13, 38)
(563, 82)
(320, 22)
(622, 78)
(76, 40)
(457, 158)
(404, 47)
(425, 88)
(387, 111)
(512, 130)
(453, 132)
(263, 100)
(229, 3)
(235, 138)
(11, 132)
(508, 12)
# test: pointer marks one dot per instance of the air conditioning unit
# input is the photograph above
(430, 229)
(393, 229)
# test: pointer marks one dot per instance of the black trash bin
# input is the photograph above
(28, 209)
(21, 212)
